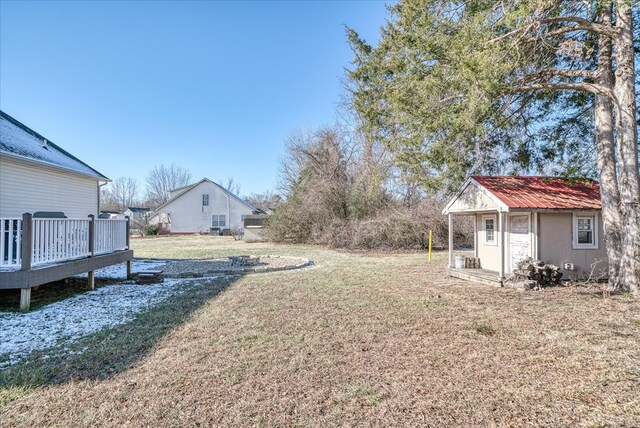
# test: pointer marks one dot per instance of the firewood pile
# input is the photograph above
(536, 273)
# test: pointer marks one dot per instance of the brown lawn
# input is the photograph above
(359, 340)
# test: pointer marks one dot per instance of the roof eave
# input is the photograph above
(27, 159)
(502, 207)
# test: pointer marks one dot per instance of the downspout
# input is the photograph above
(100, 191)
(228, 211)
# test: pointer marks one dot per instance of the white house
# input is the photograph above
(49, 201)
(37, 175)
(202, 207)
(136, 213)
(547, 218)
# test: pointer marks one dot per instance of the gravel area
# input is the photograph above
(199, 268)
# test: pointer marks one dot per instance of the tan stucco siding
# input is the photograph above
(556, 245)
(27, 187)
(472, 199)
(189, 216)
(489, 254)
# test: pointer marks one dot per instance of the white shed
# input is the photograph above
(553, 219)
(202, 207)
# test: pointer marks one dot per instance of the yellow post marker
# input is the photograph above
(430, 236)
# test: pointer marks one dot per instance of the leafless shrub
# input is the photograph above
(341, 198)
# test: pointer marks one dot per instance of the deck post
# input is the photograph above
(26, 253)
(27, 241)
(25, 299)
(92, 235)
(450, 241)
(91, 280)
(128, 232)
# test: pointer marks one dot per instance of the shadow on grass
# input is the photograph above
(109, 351)
(52, 292)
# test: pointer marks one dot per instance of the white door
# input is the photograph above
(519, 239)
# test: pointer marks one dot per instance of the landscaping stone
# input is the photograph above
(232, 265)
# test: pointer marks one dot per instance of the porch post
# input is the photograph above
(475, 235)
(450, 240)
(92, 232)
(501, 225)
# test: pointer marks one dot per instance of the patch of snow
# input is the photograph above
(119, 271)
(17, 141)
(79, 316)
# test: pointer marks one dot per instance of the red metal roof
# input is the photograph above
(543, 192)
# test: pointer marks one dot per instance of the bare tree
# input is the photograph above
(267, 201)
(119, 194)
(231, 185)
(162, 179)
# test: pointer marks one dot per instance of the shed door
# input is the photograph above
(519, 239)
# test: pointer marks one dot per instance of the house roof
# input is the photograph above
(542, 192)
(186, 189)
(19, 141)
(138, 209)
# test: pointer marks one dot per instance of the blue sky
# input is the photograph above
(215, 87)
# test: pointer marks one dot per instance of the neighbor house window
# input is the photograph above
(205, 200)
(219, 220)
(585, 231)
(489, 223)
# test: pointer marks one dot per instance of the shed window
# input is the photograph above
(585, 232)
(489, 222)
(205, 200)
(218, 220)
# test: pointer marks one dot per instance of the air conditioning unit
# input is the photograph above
(215, 231)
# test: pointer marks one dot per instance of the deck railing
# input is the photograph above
(56, 240)
(53, 240)
(10, 240)
(110, 236)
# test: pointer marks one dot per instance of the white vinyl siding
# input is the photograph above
(26, 187)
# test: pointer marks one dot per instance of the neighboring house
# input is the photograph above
(551, 219)
(202, 207)
(136, 213)
(47, 196)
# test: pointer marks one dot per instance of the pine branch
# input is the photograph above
(585, 74)
(581, 25)
(582, 86)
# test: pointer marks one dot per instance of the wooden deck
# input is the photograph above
(483, 276)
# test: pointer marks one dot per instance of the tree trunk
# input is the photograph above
(627, 138)
(606, 154)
